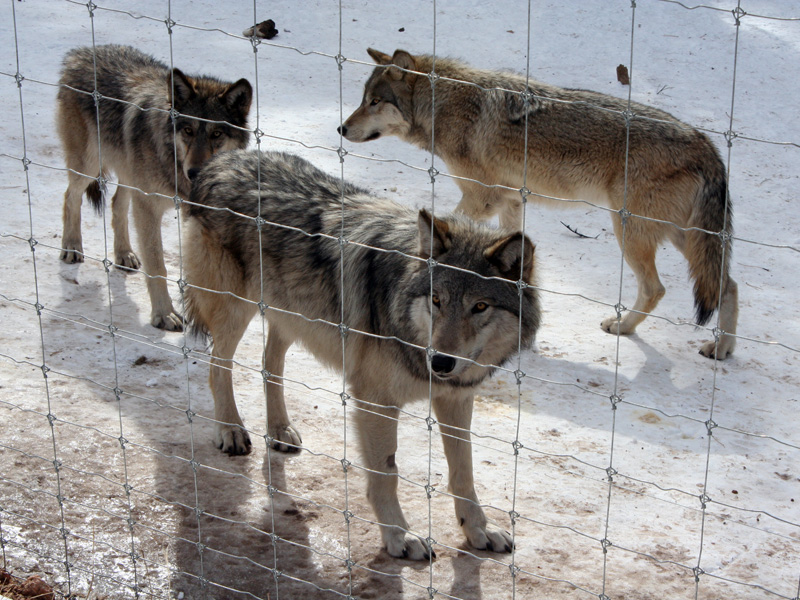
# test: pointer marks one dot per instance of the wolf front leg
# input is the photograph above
(377, 428)
(454, 411)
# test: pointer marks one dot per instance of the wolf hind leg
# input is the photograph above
(728, 317)
(377, 428)
(455, 418)
(147, 214)
(285, 438)
(124, 256)
(641, 242)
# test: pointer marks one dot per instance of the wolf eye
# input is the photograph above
(480, 307)
(435, 300)
(374, 101)
(215, 134)
(188, 130)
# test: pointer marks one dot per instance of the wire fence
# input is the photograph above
(619, 469)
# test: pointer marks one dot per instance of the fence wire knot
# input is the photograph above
(122, 441)
(271, 490)
(342, 153)
(697, 571)
(514, 570)
(260, 222)
(349, 564)
(725, 237)
(738, 13)
(429, 490)
(64, 532)
(190, 414)
(51, 418)
(39, 308)
(434, 77)
(112, 329)
(611, 471)
(347, 514)
(710, 425)
(730, 136)
(432, 592)
(340, 60)
(433, 172)
(519, 375)
(258, 133)
(345, 464)
(603, 597)
(343, 330)
(254, 41)
(200, 547)
(170, 24)
(517, 445)
(26, 162)
(432, 263)
(343, 241)
(704, 500)
(91, 6)
(45, 370)
(19, 79)
(430, 421)
(606, 544)
(524, 193)
(345, 397)
(514, 516)
(615, 399)
(620, 308)
(186, 351)
(194, 464)
(57, 467)
(107, 264)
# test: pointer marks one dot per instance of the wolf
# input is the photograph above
(409, 305)
(661, 178)
(154, 127)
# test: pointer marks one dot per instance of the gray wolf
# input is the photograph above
(662, 177)
(265, 234)
(155, 152)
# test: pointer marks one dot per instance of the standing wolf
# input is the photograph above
(131, 131)
(673, 181)
(408, 331)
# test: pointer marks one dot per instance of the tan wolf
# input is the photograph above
(411, 307)
(133, 131)
(665, 178)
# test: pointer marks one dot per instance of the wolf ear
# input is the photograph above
(238, 98)
(403, 60)
(379, 57)
(180, 88)
(431, 246)
(513, 255)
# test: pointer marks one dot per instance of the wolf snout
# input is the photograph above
(192, 173)
(442, 365)
(342, 129)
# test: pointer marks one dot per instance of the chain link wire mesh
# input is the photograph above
(110, 487)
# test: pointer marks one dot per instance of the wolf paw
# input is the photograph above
(285, 439)
(407, 545)
(614, 326)
(491, 538)
(127, 261)
(168, 322)
(719, 351)
(72, 253)
(233, 439)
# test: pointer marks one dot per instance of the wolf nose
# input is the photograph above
(342, 129)
(442, 364)
(193, 173)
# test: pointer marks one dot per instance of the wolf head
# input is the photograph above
(211, 113)
(386, 108)
(476, 306)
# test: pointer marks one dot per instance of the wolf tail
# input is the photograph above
(709, 254)
(95, 193)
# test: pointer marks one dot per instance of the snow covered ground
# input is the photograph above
(138, 495)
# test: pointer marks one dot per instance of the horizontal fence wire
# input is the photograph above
(75, 565)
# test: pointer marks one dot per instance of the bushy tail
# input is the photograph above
(95, 193)
(708, 254)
